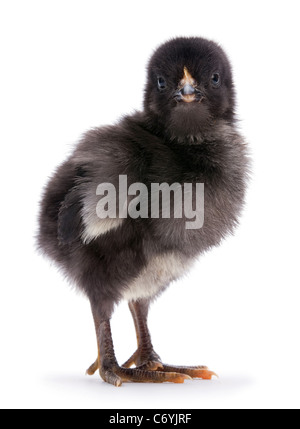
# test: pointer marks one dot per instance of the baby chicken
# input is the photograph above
(95, 219)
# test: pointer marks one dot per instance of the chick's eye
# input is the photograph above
(215, 79)
(161, 83)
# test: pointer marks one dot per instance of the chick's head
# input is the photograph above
(189, 86)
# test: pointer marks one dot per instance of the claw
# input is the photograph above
(204, 374)
(179, 378)
(193, 371)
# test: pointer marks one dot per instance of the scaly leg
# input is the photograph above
(109, 369)
(145, 357)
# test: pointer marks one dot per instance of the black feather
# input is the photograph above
(69, 218)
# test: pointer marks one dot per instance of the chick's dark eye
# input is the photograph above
(161, 83)
(215, 79)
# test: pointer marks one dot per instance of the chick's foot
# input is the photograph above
(153, 363)
(116, 375)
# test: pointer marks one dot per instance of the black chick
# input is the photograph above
(185, 134)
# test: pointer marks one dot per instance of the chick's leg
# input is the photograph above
(108, 366)
(145, 357)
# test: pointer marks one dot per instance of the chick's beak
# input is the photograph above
(187, 90)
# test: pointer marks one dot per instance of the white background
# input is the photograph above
(67, 66)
